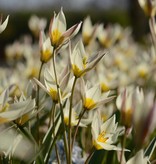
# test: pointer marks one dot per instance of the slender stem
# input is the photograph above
(77, 126)
(61, 108)
(52, 121)
(90, 155)
(37, 104)
(123, 146)
(57, 154)
(50, 148)
(52, 114)
(70, 115)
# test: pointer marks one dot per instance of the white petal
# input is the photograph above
(4, 24)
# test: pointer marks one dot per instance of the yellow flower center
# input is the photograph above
(46, 55)
(106, 42)
(104, 87)
(86, 38)
(54, 94)
(73, 119)
(89, 103)
(104, 117)
(66, 120)
(33, 73)
(77, 72)
(56, 38)
(143, 73)
(127, 117)
(102, 138)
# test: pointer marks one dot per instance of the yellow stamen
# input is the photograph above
(102, 138)
(56, 38)
(46, 55)
(66, 120)
(33, 73)
(86, 38)
(143, 73)
(104, 117)
(104, 87)
(77, 72)
(89, 103)
(127, 117)
(54, 94)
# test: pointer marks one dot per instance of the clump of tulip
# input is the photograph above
(65, 97)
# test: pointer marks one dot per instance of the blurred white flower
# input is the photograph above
(37, 24)
(144, 115)
(138, 158)
(125, 104)
(88, 30)
(149, 6)
(13, 111)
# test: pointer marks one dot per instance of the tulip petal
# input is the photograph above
(4, 24)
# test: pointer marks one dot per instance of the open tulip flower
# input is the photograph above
(4, 24)
(57, 31)
(104, 134)
(50, 83)
(80, 61)
(13, 111)
(92, 97)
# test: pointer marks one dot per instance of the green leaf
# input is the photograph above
(48, 137)
(149, 150)
(51, 145)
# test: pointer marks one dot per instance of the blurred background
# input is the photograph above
(124, 12)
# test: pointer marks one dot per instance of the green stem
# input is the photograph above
(57, 154)
(77, 126)
(50, 148)
(61, 107)
(37, 104)
(123, 146)
(52, 121)
(90, 155)
(70, 115)
(52, 115)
